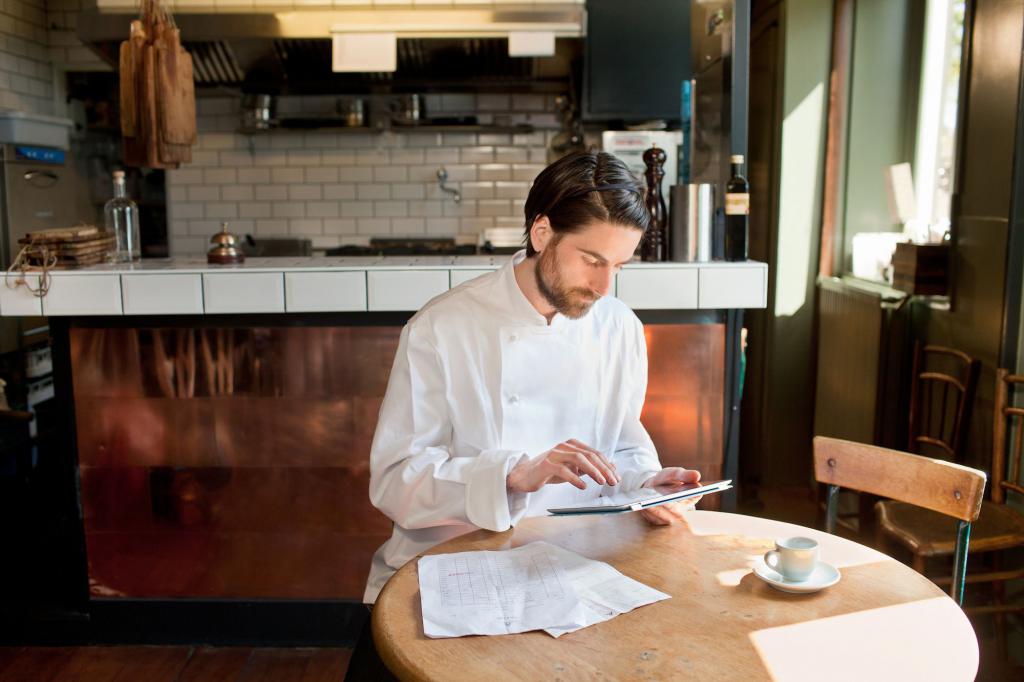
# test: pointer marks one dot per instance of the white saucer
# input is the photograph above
(824, 575)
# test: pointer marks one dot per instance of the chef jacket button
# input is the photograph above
(514, 399)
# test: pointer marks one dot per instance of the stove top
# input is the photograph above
(415, 247)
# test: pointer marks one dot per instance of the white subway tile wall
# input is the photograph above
(26, 76)
(342, 188)
(38, 43)
(67, 52)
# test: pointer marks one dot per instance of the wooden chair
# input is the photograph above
(999, 526)
(944, 487)
(941, 396)
(942, 387)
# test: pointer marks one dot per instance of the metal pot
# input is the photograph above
(258, 111)
(353, 110)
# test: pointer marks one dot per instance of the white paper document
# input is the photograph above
(534, 587)
(604, 591)
(496, 593)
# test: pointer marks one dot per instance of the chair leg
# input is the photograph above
(919, 563)
(999, 593)
(963, 540)
(833, 509)
(880, 542)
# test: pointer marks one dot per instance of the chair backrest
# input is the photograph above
(1005, 478)
(945, 487)
(941, 397)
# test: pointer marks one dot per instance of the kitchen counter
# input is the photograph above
(190, 286)
(216, 421)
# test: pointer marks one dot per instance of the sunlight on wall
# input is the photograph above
(798, 195)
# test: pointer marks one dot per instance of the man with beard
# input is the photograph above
(522, 389)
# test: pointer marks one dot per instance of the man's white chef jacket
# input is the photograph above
(481, 381)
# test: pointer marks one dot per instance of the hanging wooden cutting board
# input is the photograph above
(131, 54)
(131, 67)
(158, 111)
(148, 110)
(176, 99)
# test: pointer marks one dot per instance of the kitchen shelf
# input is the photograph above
(365, 130)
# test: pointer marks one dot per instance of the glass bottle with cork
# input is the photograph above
(122, 220)
(737, 211)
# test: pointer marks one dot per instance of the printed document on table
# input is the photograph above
(497, 593)
(604, 591)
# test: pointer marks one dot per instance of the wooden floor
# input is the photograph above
(171, 664)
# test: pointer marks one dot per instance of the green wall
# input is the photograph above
(789, 387)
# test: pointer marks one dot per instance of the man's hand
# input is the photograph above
(567, 462)
(669, 477)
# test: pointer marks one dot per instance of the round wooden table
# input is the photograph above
(881, 621)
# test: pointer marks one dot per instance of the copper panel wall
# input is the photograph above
(234, 462)
(686, 395)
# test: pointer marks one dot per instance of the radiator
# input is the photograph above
(863, 352)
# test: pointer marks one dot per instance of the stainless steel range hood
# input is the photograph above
(291, 51)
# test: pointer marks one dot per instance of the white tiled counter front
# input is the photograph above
(395, 283)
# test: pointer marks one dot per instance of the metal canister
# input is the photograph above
(691, 221)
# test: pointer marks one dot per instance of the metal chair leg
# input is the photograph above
(832, 509)
(963, 537)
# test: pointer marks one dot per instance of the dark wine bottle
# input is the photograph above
(737, 211)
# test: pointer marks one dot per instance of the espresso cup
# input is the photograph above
(793, 558)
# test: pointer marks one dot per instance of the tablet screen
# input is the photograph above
(634, 500)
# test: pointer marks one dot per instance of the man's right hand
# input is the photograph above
(567, 462)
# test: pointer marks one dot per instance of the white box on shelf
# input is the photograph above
(18, 127)
(243, 292)
(152, 294)
(311, 292)
(404, 289)
(654, 288)
(734, 286)
(38, 362)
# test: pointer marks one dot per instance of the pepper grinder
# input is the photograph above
(226, 249)
(655, 242)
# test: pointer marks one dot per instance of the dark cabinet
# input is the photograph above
(636, 58)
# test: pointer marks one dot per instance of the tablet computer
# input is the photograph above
(644, 498)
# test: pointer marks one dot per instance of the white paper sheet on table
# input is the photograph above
(604, 591)
(536, 586)
(496, 593)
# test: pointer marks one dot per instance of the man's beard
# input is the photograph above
(573, 303)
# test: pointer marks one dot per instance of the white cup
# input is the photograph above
(794, 558)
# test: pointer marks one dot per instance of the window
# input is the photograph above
(934, 160)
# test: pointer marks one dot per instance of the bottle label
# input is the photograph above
(737, 204)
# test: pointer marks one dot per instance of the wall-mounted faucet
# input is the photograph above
(442, 177)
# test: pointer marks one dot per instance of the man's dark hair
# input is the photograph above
(582, 188)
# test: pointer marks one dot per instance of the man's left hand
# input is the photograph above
(669, 477)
